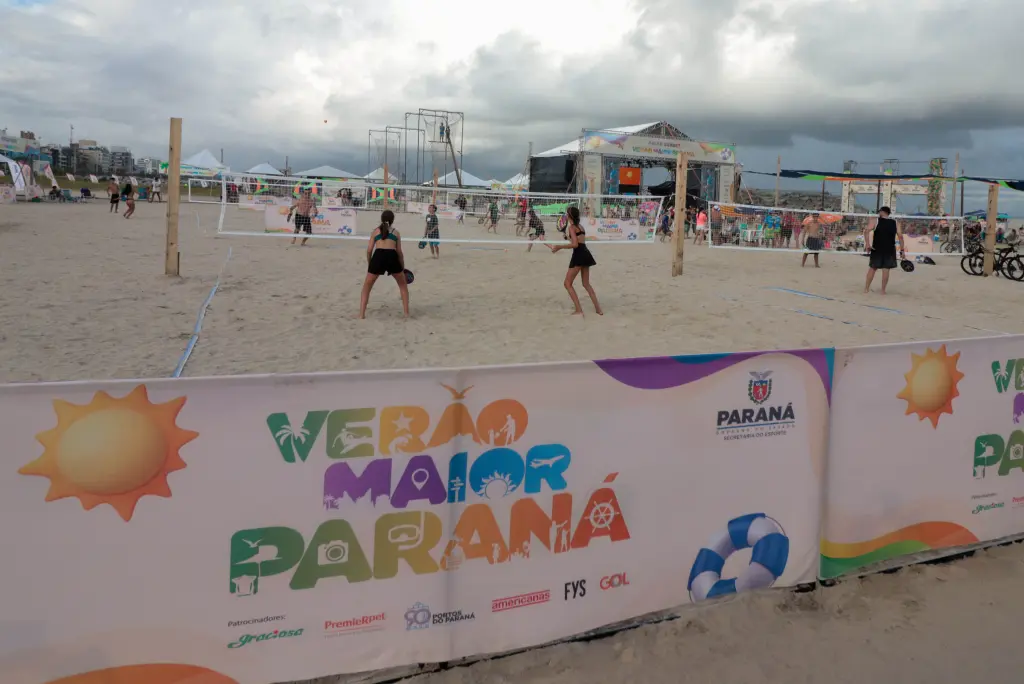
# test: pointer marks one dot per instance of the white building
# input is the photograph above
(148, 165)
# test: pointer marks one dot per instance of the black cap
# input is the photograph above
(887, 210)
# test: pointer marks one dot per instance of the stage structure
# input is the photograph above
(612, 161)
(887, 193)
(441, 149)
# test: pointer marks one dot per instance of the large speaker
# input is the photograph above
(570, 169)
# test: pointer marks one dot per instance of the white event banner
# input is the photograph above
(615, 230)
(926, 450)
(326, 221)
(443, 210)
(275, 528)
(261, 202)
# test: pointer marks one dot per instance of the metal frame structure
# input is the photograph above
(886, 192)
(369, 143)
(405, 149)
(436, 117)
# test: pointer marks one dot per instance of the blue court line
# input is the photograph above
(880, 308)
(194, 339)
(798, 292)
(805, 313)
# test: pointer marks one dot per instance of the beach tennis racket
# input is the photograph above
(423, 244)
(409, 277)
(906, 264)
(481, 221)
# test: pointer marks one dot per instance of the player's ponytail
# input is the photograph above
(574, 215)
(387, 217)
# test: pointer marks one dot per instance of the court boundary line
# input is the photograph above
(200, 317)
(886, 309)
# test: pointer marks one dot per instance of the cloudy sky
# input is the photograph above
(816, 81)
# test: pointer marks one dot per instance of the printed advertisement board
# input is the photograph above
(277, 528)
(926, 450)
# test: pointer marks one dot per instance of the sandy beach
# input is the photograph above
(84, 297)
(928, 623)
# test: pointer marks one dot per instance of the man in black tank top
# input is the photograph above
(880, 242)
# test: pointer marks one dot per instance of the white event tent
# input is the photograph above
(326, 172)
(378, 175)
(518, 181)
(14, 169)
(468, 181)
(204, 160)
(264, 169)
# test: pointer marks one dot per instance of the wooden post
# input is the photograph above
(991, 217)
(778, 176)
(386, 177)
(172, 260)
(678, 239)
(956, 174)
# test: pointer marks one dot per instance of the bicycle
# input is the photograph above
(952, 245)
(1007, 263)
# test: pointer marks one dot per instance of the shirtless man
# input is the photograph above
(812, 235)
(304, 209)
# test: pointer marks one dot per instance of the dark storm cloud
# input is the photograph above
(912, 78)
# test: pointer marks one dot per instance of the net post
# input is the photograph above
(778, 177)
(991, 218)
(385, 178)
(433, 197)
(172, 260)
(678, 241)
(956, 174)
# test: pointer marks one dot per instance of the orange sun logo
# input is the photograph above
(932, 384)
(111, 451)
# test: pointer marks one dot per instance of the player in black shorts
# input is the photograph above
(304, 209)
(880, 241)
(580, 263)
(384, 256)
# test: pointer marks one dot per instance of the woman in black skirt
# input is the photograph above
(580, 263)
(384, 256)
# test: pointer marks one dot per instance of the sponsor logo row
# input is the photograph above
(419, 616)
(982, 503)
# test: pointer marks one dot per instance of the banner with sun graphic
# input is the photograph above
(926, 450)
(257, 529)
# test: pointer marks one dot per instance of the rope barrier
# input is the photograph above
(194, 339)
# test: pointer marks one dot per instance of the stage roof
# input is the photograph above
(661, 128)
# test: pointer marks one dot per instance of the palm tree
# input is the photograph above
(329, 501)
(287, 433)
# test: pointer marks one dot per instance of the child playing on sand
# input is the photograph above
(432, 232)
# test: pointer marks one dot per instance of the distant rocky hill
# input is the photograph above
(794, 199)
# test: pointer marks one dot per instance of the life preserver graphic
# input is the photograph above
(768, 558)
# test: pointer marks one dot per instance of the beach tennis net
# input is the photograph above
(262, 205)
(750, 227)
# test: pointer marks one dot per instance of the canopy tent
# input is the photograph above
(518, 181)
(576, 146)
(468, 181)
(378, 175)
(983, 214)
(326, 172)
(14, 168)
(264, 169)
(204, 160)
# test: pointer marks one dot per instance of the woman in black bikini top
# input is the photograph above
(384, 256)
(580, 263)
